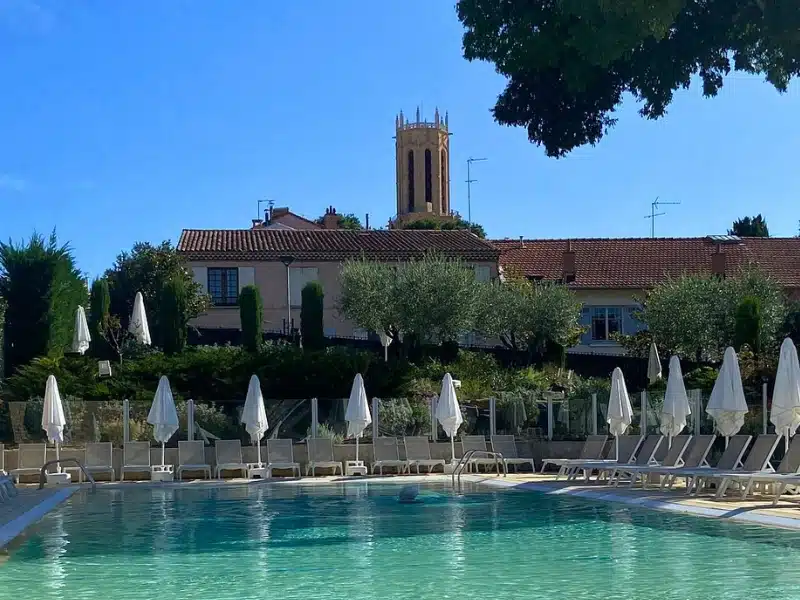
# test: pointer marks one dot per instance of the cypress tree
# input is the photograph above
(99, 312)
(175, 312)
(251, 314)
(311, 326)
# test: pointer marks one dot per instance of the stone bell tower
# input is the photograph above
(423, 168)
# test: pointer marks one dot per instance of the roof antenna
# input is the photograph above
(653, 214)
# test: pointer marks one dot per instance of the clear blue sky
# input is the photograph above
(126, 121)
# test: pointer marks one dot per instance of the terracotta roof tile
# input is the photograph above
(643, 262)
(330, 245)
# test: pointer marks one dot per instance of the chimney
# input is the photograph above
(366, 223)
(568, 264)
(718, 262)
(331, 219)
(257, 223)
(521, 242)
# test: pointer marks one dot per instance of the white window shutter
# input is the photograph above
(247, 276)
(200, 275)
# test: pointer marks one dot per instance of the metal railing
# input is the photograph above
(58, 461)
(463, 463)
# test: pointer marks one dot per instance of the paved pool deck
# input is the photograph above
(31, 504)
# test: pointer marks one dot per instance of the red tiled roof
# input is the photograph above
(330, 245)
(643, 262)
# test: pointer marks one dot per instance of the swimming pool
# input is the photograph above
(355, 541)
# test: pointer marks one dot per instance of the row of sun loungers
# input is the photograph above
(687, 458)
(98, 457)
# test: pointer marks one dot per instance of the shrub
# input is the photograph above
(311, 316)
(748, 324)
(251, 314)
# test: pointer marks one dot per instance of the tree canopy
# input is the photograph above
(696, 316)
(447, 226)
(570, 63)
(348, 221)
(147, 268)
(750, 227)
(41, 288)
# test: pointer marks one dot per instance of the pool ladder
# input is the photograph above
(463, 463)
(58, 461)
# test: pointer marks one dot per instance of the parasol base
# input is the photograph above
(59, 478)
(257, 471)
(161, 473)
(355, 467)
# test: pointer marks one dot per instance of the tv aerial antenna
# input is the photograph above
(270, 204)
(653, 214)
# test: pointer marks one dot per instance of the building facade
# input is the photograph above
(611, 276)
(280, 262)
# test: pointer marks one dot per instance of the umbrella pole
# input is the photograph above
(258, 445)
(163, 454)
(727, 439)
(452, 450)
(357, 448)
(786, 441)
(58, 457)
(616, 447)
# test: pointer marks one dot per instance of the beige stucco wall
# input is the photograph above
(270, 278)
(624, 298)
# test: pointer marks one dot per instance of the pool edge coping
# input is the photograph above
(662, 505)
(16, 527)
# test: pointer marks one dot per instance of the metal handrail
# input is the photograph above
(57, 461)
(464, 462)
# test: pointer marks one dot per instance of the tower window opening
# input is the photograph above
(428, 178)
(443, 157)
(410, 181)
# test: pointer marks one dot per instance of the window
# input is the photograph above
(223, 286)
(410, 181)
(443, 158)
(298, 278)
(428, 177)
(483, 273)
(606, 321)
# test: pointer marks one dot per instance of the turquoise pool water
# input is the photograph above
(356, 542)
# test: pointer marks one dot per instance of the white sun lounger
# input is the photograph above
(192, 457)
(757, 461)
(320, 456)
(693, 457)
(98, 458)
(477, 443)
(387, 454)
(672, 459)
(745, 479)
(31, 460)
(418, 454)
(228, 457)
(280, 456)
(507, 446)
(592, 450)
(135, 458)
(731, 459)
(630, 446)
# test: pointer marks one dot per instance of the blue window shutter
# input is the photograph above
(586, 321)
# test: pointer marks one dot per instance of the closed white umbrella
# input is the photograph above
(138, 325)
(254, 416)
(619, 415)
(785, 413)
(163, 416)
(675, 409)
(357, 413)
(53, 421)
(727, 405)
(653, 365)
(448, 412)
(81, 337)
